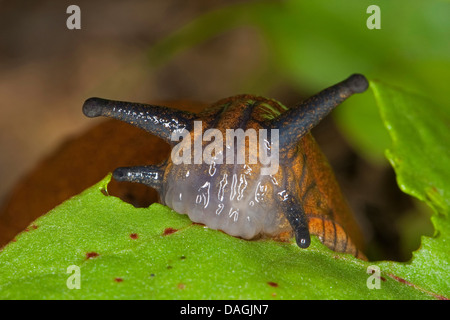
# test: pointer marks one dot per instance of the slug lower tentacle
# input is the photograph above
(148, 175)
(254, 170)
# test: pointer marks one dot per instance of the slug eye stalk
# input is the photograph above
(301, 118)
(157, 120)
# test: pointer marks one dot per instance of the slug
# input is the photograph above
(221, 183)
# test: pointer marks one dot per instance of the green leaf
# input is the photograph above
(420, 155)
(127, 253)
(420, 131)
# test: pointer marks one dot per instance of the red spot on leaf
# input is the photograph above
(169, 231)
(134, 236)
(401, 280)
(91, 255)
(272, 284)
(118, 279)
(181, 286)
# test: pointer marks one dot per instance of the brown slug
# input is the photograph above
(291, 191)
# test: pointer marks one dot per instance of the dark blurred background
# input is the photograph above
(47, 71)
(203, 51)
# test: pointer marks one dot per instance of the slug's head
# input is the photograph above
(241, 198)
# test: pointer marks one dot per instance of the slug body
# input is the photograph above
(258, 174)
